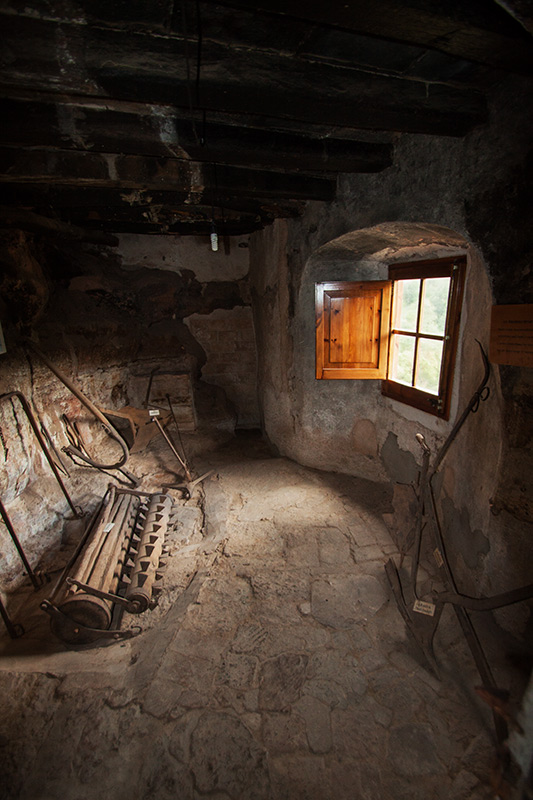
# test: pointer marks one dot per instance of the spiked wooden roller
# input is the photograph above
(116, 566)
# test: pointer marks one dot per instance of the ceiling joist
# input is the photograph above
(155, 69)
(156, 117)
(164, 131)
(185, 178)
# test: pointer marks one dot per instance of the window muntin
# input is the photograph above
(424, 330)
(418, 332)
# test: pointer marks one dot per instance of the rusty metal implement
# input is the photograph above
(421, 616)
(38, 435)
(84, 400)
(116, 567)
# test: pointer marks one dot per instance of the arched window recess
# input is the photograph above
(403, 331)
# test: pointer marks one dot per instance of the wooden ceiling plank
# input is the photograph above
(481, 32)
(75, 168)
(131, 66)
(466, 29)
(73, 126)
(26, 220)
(93, 200)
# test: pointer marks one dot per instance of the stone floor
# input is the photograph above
(276, 666)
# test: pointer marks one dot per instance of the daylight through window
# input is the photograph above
(410, 344)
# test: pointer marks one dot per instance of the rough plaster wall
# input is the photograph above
(441, 182)
(270, 294)
(175, 253)
(227, 337)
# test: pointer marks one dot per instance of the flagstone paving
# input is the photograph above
(277, 666)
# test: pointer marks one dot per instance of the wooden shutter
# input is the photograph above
(352, 329)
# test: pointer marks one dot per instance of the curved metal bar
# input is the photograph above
(479, 395)
(31, 419)
(20, 550)
(451, 586)
(486, 603)
(109, 429)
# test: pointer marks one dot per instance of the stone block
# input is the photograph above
(281, 682)
(226, 758)
(342, 602)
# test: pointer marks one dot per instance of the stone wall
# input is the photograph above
(107, 318)
(347, 426)
(227, 337)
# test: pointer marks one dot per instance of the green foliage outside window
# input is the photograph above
(421, 307)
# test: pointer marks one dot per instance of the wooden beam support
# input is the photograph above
(482, 32)
(25, 220)
(96, 202)
(473, 30)
(194, 227)
(163, 131)
(185, 178)
(153, 69)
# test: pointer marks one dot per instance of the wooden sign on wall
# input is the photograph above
(511, 335)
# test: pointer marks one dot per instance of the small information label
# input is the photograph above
(422, 607)
(438, 557)
(109, 527)
(154, 412)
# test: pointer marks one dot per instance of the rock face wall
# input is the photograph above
(439, 197)
(227, 337)
(107, 318)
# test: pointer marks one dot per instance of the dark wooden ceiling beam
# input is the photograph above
(163, 132)
(95, 203)
(192, 228)
(153, 69)
(96, 231)
(476, 31)
(27, 220)
(185, 178)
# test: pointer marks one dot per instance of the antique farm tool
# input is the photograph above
(84, 400)
(77, 445)
(42, 443)
(37, 579)
(413, 608)
(115, 568)
(422, 617)
(182, 458)
(139, 432)
(14, 629)
(186, 466)
(168, 439)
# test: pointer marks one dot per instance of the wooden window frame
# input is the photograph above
(329, 367)
(454, 268)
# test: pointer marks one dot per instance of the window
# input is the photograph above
(403, 331)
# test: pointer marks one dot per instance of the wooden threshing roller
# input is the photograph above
(115, 568)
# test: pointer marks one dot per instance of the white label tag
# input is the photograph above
(109, 527)
(422, 607)
(438, 557)
(154, 412)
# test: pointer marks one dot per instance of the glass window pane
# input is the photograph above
(406, 304)
(434, 305)
(402, 359)
(428, 367)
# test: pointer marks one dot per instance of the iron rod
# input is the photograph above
(108, 427)
(31, 419)
(33, 577)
